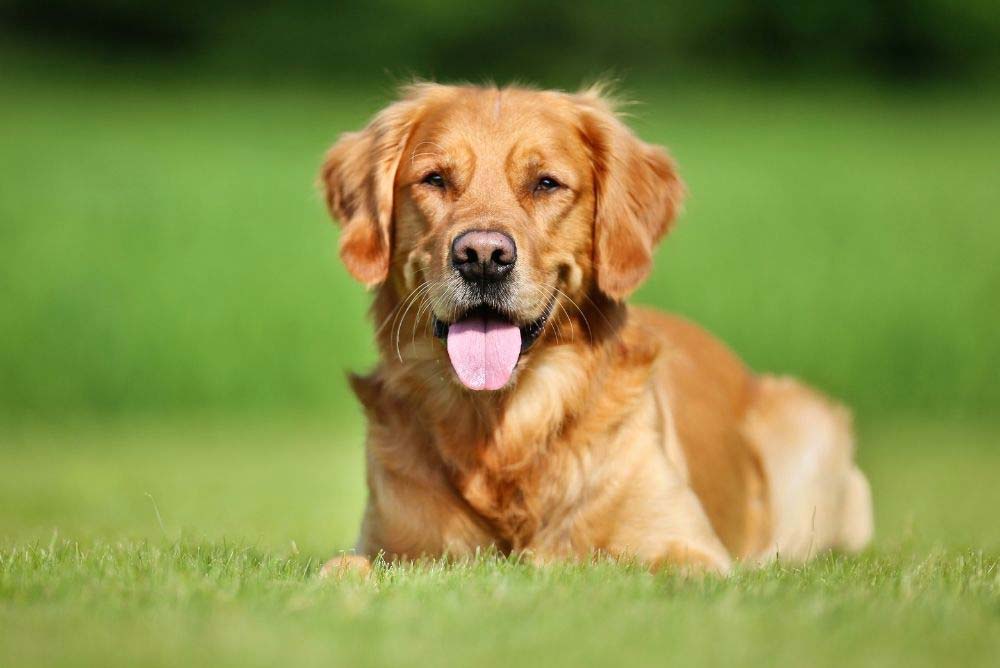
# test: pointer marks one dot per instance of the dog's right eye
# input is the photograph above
(433, 179)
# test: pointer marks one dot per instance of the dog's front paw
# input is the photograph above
(345, 565)
(690, 560)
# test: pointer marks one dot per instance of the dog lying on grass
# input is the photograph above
(520, 404)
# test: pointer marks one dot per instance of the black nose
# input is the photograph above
(479, 255)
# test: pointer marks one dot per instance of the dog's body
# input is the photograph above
(502, 218)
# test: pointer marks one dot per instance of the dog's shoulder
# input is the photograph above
(689, 353)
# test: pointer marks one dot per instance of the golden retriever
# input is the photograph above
(519, 404)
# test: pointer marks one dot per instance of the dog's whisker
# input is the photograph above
(564, 315)
(390, 316)
(429, 143)
(395, 309)
(406, 300)
(414, 154)
(583, 316)
(428, 303)
(419, 299)
(556, 327)
(425, 304)
(409, 303)
(556, 324)
(600, 312)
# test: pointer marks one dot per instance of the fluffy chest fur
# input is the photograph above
(530, 469)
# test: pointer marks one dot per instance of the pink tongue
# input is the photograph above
(483, 351)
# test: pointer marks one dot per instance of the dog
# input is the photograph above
(519, 404)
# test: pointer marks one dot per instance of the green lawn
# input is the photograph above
(90, 576)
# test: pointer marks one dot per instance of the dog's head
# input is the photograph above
(496, 209)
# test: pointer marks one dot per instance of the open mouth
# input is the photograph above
(484, 345)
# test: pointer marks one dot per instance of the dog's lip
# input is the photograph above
(529, 332)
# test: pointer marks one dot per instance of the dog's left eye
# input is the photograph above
(547, 184)
(434, 179)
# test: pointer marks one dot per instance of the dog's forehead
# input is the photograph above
(498, 118)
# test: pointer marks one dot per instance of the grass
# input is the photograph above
(196, 605)
(159, 544)
(162, 248)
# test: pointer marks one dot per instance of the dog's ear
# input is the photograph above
(638, 196)
(357, 176)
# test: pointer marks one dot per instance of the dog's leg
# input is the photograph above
(820, 499)
(663, 524)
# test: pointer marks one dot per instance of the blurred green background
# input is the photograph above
(163, 251)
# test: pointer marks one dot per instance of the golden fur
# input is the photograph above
(623, 431)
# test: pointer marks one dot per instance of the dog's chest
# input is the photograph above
(513, 501)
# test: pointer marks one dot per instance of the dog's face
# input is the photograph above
(495, 209)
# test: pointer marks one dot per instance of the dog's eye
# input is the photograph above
(433, 179)
(546, 184)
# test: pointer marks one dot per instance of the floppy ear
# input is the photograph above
(638, 197)
(358, 176)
